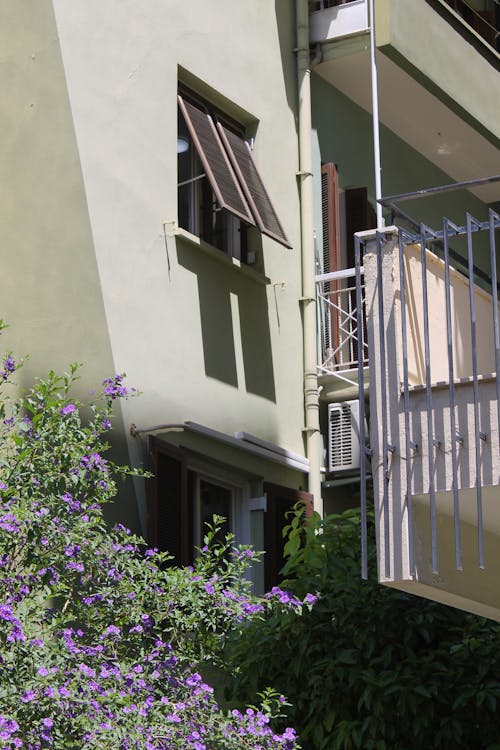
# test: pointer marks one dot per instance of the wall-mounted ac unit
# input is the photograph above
(343, 436)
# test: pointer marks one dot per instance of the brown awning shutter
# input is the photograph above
(215, 161)
(252, 185)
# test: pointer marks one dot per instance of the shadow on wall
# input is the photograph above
(216, 284)
(285, 22)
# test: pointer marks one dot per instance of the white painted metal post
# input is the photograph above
(376, 135)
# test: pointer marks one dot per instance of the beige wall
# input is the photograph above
(460, 315)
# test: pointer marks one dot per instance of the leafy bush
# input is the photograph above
(371, 667)
(101, 642)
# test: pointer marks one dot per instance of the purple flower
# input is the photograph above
(9, 365)
(114, 388)
(111, 630)
(68, 409)
(283, 596)
(94, 461)
(10, 523)
(74, 505)
(87, 671)
(310, 599)
(7, 728)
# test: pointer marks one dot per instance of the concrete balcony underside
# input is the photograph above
(458, 519)
(443, 107)
(472, 588)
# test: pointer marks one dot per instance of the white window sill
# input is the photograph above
(220, 256)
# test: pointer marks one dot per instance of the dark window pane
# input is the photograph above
(214, 500)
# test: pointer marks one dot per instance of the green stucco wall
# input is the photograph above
(201, 341)
(342, 133)
(88, 208)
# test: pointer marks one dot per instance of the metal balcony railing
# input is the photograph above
(323, 4)
(436, 355)
(485, 22)
(340, 342)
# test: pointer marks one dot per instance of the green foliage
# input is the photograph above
(101, 643)
(371, 667)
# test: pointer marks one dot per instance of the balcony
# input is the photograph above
(438, 82)
(434, 344)
(483, 21)
(339, 342)
(335, 19)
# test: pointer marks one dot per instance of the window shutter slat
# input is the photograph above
(252, 185)
(215, 162)
(330, 203)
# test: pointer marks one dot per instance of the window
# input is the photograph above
(185, 492)
(221, 196)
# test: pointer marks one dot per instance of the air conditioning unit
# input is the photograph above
(344, 453)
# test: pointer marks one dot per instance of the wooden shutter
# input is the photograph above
(330, 204)
(169, 506)
(215, 161)
(279, 501)
(252, 185)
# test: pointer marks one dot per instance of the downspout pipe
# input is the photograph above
(308, 300)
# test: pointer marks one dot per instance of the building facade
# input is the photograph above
(138, 237)
(175, 176)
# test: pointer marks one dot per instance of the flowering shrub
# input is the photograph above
(370, 667)
(101, 643)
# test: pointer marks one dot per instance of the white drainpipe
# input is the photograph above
(311, 395)
(376, 135)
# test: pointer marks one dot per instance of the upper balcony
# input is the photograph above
(335, 19)
(438, 82)
(340, 343)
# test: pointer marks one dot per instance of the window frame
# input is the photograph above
(229, 168)
(244, 502)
